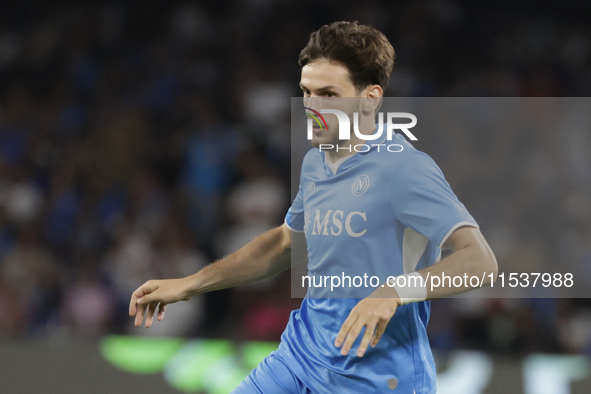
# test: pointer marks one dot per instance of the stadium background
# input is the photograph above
(144, 139)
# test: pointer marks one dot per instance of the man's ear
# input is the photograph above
(372, 98)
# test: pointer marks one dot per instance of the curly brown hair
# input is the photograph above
(362, 49)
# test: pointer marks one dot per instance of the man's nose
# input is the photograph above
(313, 102)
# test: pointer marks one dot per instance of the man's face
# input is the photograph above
(323, 82)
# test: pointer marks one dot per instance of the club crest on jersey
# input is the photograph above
(360, 185)
(311, 186)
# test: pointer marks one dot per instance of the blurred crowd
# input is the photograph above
(143, 140)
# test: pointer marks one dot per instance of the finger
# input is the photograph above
(139, 296)
(147, 299)
(352, 336)
(161, 310)
(132, 306)
(150, 317)
(379, 332)
(345, 328)
(133, 302)
(370, 329)
(139, 317)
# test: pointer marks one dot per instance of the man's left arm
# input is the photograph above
(471, 256)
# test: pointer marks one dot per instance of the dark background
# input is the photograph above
(142, 140)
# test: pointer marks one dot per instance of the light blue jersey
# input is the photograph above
(381, 214)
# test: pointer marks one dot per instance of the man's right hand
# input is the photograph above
(265, 256)
(157, 292)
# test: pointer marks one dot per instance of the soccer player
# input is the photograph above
(373, 212)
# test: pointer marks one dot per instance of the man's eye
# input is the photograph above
(329, 94)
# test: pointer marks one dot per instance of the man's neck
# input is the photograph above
(333, 156)
(367, 127)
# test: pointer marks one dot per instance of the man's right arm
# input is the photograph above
(265, 256)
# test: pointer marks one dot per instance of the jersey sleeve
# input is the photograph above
(423, 200)
(294, 219)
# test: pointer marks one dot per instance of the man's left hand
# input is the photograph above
(373, 313)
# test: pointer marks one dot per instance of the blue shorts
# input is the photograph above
(272, 376)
